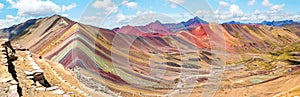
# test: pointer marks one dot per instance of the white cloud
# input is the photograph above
(175, 3)
(10, 1)
(120, 18)
(6, 22)
(138, 12)
(276, 8)
(266, 3)
(205, 14)
(35, 7)
(235, 10)
(273, 7)
(108, 5)
(231, 12)
(261, 16)
(11, 20)
(38, 7)
(65, 15)
(68, 7)
(148, 17)
(130, 4)
(145, 12)
(91, 20)
(296, 17)
(256, 12)
(224, 4)
(29, 9)
(1, 6)
(251, 2)
(140, 18)
(228, 12)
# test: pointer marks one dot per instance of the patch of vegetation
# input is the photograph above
(286, 50)
(238, 35)
(260, 65)
(284, 56)
(176, 80)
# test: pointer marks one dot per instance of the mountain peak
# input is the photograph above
(157, 22)
(196, 20)
(65, 19)
(232, 22)
(56, 15)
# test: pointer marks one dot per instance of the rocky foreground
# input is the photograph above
(25, 74)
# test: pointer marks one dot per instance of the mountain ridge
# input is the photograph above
(184, 25)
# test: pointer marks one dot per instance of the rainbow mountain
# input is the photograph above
(136, 60)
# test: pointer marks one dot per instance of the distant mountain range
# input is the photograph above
(175, 27)
(155, 28)
(269, 23)
(158, 29)
(279, 23)
(233, 22)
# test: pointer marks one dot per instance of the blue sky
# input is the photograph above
(116, 13)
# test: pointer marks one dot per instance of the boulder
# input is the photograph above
(30, 77)
(52, 88)
(2, 49)
(13, 88)
(59, 92)
(4, 60)
(5, 80)
(38, 71)
(35, 67)
(66, 95)
(73, 87)
(28, 73)
(60, 78)
(13, 82)
(85, 94)
(70, 92)
(14, 94)
(80, 91)
(41, 89)
(68, 84)
(4, 53)
(3, 56)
